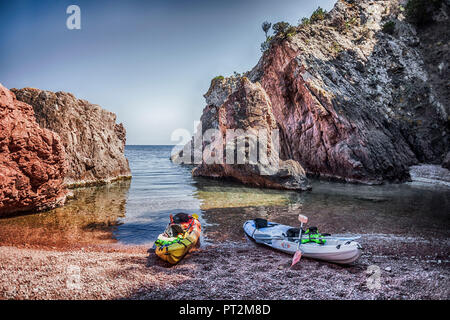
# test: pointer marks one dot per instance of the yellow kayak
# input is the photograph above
(180, 237)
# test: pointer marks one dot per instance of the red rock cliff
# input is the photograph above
(353, 101)
(94, 143)
(32, 160)
(248, 109)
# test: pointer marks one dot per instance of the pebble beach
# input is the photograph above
(406, 270)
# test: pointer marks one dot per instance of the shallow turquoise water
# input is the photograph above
(159, 188)
(134, 213)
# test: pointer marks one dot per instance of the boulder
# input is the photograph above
(242, 118)
(32, 160)
(94, 143)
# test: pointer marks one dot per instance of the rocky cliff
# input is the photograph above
(94, 143)
(359, 95)
(247, 108)
(32, 160)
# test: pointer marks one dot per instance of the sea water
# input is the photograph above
(135, 212)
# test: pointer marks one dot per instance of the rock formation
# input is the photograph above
(352, 101)
(94, 143)
(32, 160)
(248, 108)
(446, 162)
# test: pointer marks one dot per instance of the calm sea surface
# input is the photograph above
(135, 212)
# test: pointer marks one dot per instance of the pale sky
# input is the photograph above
(150, 62)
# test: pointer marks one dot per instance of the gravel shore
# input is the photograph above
(408, 269)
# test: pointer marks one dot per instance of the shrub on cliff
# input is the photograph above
(304, 22)
(284, 29)
(336, 47)
(318, 15)
(218, 78)
(280, 27)
(389, 27)
(266, 27)
(420, 12)
(351, 23)
(266, 44)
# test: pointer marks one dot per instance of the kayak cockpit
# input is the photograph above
(336, 249)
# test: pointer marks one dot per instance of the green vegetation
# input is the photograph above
(389, 27)
(318, 15)
(218, 78)
(420, 12)
(336, 47)
(351, 22)
(280, 27)
(284, 29)
(266, 27)
(291, 31)
(304, 22)
(266, 44)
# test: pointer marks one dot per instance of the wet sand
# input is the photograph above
(409, 269)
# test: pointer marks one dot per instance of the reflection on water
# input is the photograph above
(402, 209)
(215, 194)
(136, 212)
(90, 217)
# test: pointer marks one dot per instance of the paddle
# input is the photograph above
(298, 253)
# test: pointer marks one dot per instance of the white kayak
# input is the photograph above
(337, 249)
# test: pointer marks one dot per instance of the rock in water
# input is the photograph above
(245, 106)
(32, 160)
(355, 102)
(352, 101)
(93, 141)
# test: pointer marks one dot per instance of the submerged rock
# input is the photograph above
(32, 160)
(94, 143)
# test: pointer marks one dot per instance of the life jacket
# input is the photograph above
(310, 235)
(313, 235)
